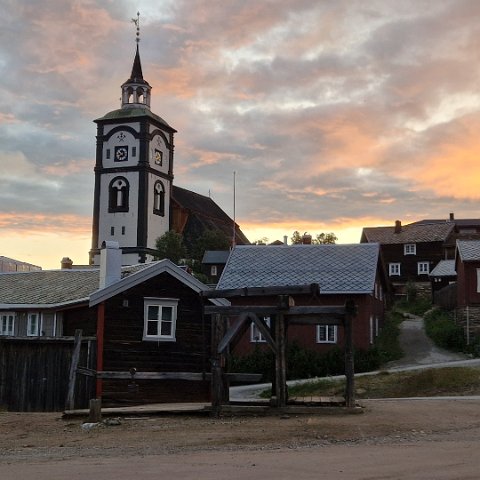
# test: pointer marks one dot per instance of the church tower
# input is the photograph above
(133, 173)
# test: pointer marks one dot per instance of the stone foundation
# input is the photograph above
(469, 316)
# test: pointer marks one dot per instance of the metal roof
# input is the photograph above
(444, 268)
(215, 256)
(336, 268)
(469, 250)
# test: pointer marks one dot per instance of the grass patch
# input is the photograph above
(450, 381)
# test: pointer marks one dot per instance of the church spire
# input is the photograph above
(136, 91)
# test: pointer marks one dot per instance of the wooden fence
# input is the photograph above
(34, 373)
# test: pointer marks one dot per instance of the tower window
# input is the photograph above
(134, 151)
(107, 154)
(159, 199)
(123, 230)
(112, 231)
(118, 195)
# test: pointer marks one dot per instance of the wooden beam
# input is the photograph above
(281, 361)
(313, 289)
(70, 402)
(266, 310)
(349, 363)
(322, 319)
(150, 375)
(264, 330)
(232, 332)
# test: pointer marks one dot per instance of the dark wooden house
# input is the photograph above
(410, 252)
(343, 272)
(213, 264)
(145, 338)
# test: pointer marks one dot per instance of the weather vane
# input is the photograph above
(136, 21)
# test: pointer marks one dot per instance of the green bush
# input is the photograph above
(305, 363)
(441, 328)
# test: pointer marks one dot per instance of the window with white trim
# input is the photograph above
(371, 329)
(7, 324)
(213, 271)
(255, 334)
(326, 334)
(423, 268)
(33, 325)
(478, 280)
(394, 269)
(160, 318)
(409, 249)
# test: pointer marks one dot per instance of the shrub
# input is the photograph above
(441, 328)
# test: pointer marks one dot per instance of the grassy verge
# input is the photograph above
(425, 383)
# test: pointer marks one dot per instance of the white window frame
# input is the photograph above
(394, 269)
(326, 333)
(213, 271)
(255, 334)
(409, 249)
(36, 330)
(478, 280)
(7, 324)
(372, 333)
(423, 268)
(160, 303)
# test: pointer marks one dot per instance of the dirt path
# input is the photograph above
(418, 348)
(395, 439)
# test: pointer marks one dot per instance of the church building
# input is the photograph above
(134, 198)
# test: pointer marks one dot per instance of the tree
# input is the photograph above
(320, 238)
(325, 238)
(209, 240)
(170, 245)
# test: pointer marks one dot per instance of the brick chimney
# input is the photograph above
(398, 226)
(66, 263)
(110, 263)
(452, 217)
(307, 239)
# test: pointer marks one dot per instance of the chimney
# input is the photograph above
(110, 263)
(307, 239)
(66, 263)
(452, 217)
(285, 240)
(398, 226)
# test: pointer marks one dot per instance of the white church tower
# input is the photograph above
(133, 173)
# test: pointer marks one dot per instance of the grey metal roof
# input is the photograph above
(413, 233)
(215, 256)
(336, 268)
(469, 250)
(52, 288)
(444, 268)
(47, 287)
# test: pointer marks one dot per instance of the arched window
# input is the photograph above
(159, 199)
(118, 195)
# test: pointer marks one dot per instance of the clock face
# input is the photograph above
(121, 154)
(158, 157)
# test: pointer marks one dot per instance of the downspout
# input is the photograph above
(100, 336)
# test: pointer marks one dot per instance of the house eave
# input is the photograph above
(43, 306)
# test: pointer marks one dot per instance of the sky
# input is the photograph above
(333, 114)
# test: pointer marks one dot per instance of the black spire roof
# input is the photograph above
(136, 76)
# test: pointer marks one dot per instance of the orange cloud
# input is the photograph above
(42, 224)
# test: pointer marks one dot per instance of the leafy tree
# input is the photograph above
(320, 238)
(170, 245)
(261, 241)
(325, 238)
(209, 240)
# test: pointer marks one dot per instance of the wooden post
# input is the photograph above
(217, 379)
(280, 361)
(349, 363)
(100, 336)
(95, 414)
(70, 403)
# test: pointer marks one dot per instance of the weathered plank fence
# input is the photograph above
(34, 373)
